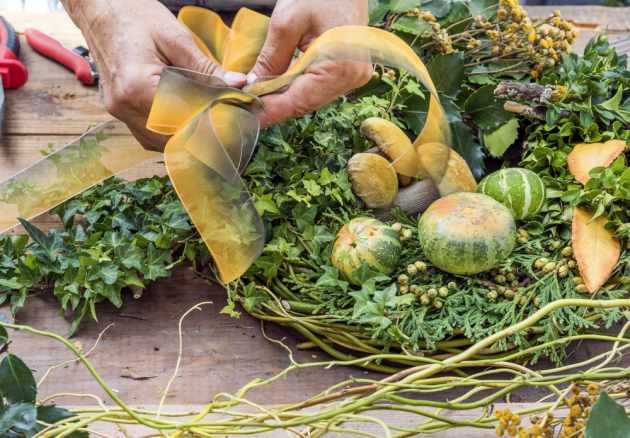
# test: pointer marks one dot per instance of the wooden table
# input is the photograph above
(219, 353)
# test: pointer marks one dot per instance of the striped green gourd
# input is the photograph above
(466, 233)
(520, 190)
(365, 240)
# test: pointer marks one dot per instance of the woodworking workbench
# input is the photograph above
(220, 353)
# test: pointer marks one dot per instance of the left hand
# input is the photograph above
(296, 24)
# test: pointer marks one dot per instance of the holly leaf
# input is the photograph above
(595, 249)
(16, 381)
(586, 156)
(486, 111)
(253, 297)
(464, 144)
(20, 415)
(331, 278)
(497, 140)
(365, 274)
(607, 419)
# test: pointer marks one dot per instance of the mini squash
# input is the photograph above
(365, 240)
(467, 233)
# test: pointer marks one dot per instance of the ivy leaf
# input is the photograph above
(595, 249)
(453, 63)
(486, 111)
(364, 274)
(586, 156)
(304, 215)
(16, 381)
(253, 297)
(270, 263)
(318, 235)
(265, 203)
(331, 278)
(384, 296)
(497, 140)
(47, 245)
(362, 298)
(19, 415)
(154, 266)
(129, 255)
(607, 419)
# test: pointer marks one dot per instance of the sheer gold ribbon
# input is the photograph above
(214, 131)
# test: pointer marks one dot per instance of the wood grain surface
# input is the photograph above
(219, 353)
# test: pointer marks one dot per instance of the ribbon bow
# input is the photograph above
(214, 131)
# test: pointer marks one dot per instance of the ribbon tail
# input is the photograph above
(101, 152)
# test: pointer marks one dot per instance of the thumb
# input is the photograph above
(182, 52)
(277, 52)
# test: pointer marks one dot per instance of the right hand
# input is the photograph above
(131, 42)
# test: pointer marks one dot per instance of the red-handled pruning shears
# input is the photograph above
(76, 60)
(13, 73)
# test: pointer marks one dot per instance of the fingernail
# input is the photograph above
(233, 78)
(251, 78)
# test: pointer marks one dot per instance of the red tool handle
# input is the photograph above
(13, 72)
(55, 49)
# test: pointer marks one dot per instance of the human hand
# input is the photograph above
(296, 24)
(131, 42)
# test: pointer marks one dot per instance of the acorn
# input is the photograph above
(502, 272)
(546, 254)
(424, 278)
(397, 227)
(501, 290)
(509, 294)
(522, 301)
(425, 300)
(567, 251)
(437, 303)
(555, 245)
(571, 264)
(404, 289)
(514, 283)
(537, 301)
(413, 289)
(492, 295)
(540, 263)
(412, 270)
(510, 277)
(581, 289)
(407, 234)
(549, 267)
(443, 292)
(420, 265)
(403, 279)
(432, 293)
(522, 233)
(499, 279)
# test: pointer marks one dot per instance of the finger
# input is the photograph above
(149, 140)
(278, 50)
(181, 51)
(321, 84)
